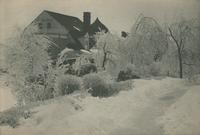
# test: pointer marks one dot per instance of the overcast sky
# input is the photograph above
(117, 15)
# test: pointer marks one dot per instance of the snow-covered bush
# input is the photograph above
(86, 69)
(96, 85)
(129, 72)
(154, 69)
(67, 84)
(31, 93)
(13, 115)
(28, 65)
(194, 79)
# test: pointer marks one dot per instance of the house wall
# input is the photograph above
(56, 30)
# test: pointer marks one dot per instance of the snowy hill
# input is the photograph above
(153, 107)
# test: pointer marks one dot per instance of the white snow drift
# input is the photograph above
(153, 107)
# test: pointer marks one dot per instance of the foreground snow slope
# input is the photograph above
(7, 99)
(152, 107)
(183, 117)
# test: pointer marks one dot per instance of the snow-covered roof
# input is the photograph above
(76, 28)
(85, 51)
(94, 50)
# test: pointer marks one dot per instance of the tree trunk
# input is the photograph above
(104, 61)
(179, 46)
(180, 64)
(104, 57)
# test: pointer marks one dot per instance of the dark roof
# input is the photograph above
(97, 26)
(59, 44)
(76, 26)
(73, 24)
(69, 22)
(76, 29)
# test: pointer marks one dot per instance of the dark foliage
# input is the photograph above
(67, 85)
(12, 116)
(86, 69)
(96, 86)
(127, 75)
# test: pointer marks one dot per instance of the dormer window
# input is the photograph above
(40, 26)
(48, 25)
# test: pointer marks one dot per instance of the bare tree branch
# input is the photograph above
(176, 42)
(179, 49)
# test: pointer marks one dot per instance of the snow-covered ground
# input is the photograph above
(7, 99)
(182, 118)
(153, 107)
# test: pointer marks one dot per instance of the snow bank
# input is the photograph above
(182, 118)
(138, 111)
(7, 99)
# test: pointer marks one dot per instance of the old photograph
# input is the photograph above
(99, 67)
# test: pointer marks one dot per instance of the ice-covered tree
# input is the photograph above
(185, 36)
(107, 45)
(28, 61)
(146, 44)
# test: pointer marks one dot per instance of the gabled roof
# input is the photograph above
(69, 22)
(76, 26)
(97, 26)
(76, 29)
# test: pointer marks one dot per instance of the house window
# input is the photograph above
(40, 26)
(48, 25)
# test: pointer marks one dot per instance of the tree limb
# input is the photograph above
(176, 42)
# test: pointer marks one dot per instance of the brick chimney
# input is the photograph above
(86, 19)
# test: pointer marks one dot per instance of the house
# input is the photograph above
(66, 31)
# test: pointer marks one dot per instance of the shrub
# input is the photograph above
(67, 84)
(128, 73)
(86, 69)
(154, 69)
(10, 120)
(42, 94)
(12, 116)
(96, 85)
(33, 93)
(195, 79)
(33, 88)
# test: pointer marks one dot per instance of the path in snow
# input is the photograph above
(155, 96)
